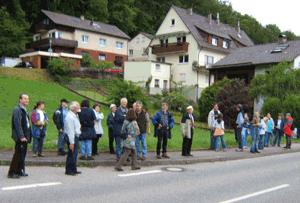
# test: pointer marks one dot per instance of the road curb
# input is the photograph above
(152, 162)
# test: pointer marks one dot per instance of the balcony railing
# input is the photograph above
(44, 43)
(170, 48)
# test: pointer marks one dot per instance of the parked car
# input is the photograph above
(24, 64)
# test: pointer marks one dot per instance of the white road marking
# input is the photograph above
(256, 193)
(140, 173)
(19, 187)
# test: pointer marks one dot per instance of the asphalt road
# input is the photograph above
(266, 179)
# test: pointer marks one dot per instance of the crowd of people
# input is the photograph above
(80, 128)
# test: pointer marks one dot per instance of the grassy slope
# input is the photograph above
(51, 93)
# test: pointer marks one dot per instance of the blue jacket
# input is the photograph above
(118, 121)
(156, 120)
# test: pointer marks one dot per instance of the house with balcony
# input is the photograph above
(60, 35)
(192, 43)
(138, 47)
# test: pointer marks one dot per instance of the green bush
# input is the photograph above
(208, 98)
(87, 61)
(292, 105)
(129, 90)
(102, 65)
(272, 105)
(60, 68)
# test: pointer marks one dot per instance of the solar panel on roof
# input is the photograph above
(280, 48)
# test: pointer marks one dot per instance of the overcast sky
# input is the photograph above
(285, 14)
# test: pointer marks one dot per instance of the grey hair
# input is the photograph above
(124, 99)
(73, 105)
(139, 103)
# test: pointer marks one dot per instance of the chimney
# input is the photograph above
(190, 11)
(210, 18)
(82, 17)
(218, 18)
(92, 22)
(282, 39)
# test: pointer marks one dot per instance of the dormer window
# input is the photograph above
(173, 22)
(214, 41)
(225, 44)
(46, 21)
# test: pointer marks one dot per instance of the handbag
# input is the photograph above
(218, 132)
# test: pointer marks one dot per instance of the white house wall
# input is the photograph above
(297, 62)
(138, 44)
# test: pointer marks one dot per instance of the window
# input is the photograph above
(137, 40)
(182, 77)
(102, 42)
(209, 60)
(157, 67)
(156, 83)
(46, 21)
(51, 34)
(184, 59)
(161, 59)
(214, 41)
(119, 61)
(59, 35)
(131, 52)
(164, 42)
(225, 44)
(181, 39)
(119, 45)
(143, 39)
(173, 22)
(85, 39)
(102, 57)
(165, 87)
(36, 37)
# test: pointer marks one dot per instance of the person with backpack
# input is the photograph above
(98, 128)
(288, 130)
(163, 122)
(130, 130)
(219, 131)
(239, 125)
(87, 119)
(58, 119)
(39, 122)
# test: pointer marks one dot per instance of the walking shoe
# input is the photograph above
(143, 158)
(165, 156)
(61, 153)
(13, 176)
(82, 158)
(23, 174)
(118, 169)
(41, 155)
(139, 158)
(158, 157)
(135, 168)
(257, 151)
(71, 173)
(89, 158)
(34, 155)
(190, 155)
(78, 172)
(239, 150)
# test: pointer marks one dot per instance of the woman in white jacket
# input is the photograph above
(98, 128)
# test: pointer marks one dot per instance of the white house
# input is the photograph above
(138, 47)
(156, 74)
(192, 43)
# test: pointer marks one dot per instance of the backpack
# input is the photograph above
(124, 133)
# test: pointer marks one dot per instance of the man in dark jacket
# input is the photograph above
(279, 125)
(163, 122)
(119, 120)
(21, 134)
(110, 124)
(58, 119)
(188, 136)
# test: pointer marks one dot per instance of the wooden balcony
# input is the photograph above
(44, 43)
(169, 48)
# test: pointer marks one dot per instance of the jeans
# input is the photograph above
(118, 146)
(239, 137)
(37, 145)
(86, 148)
(141, 139)
(244, 137)
(267, 138)
(277, 138)
(261, 141)
(255, 136)
(217, 140)
(71, 162)
(61, 142)
(212, 140)
(162, 142)
(17, 164)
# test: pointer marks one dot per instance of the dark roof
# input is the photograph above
(260, 54)
(150, 36)
(197, 22)
(71, 21)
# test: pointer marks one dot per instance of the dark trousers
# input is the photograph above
(239, 137)
(212, 140)
(111, 141)
(288, 142)
(124, 157)
(187, 144)
(95, 144)
(278, 136)
(37, 146)
(162, 141)
(17, 164)
(71, 162)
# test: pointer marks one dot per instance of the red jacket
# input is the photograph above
(287, 129)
